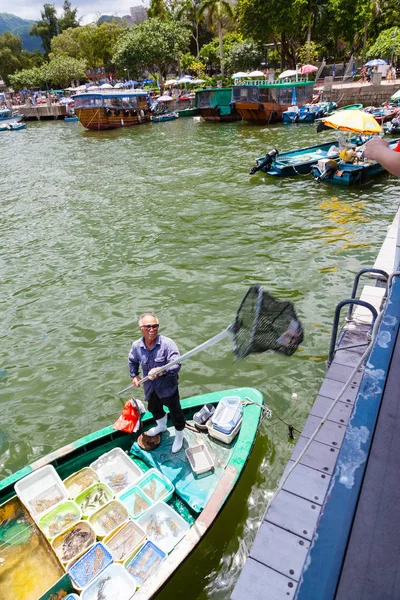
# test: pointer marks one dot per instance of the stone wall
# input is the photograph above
(367, 94)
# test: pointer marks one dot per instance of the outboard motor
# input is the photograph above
(330, 169)
(267, 162)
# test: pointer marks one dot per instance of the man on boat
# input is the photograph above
(153, 351)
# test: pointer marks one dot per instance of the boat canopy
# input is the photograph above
(283, 93)
(213, 97)
(99, 100)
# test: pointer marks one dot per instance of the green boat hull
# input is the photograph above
(83, 452)
(188, 112)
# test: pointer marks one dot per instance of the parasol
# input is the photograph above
(239, 75)
(288, 73)
(375, 62)
(256, 74)
(306, 69)
(355, 121)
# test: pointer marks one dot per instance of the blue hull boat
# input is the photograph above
(297, 162)
(307, 113)
(71, 119)
(165, 117)
(342, 173)
(12, 126)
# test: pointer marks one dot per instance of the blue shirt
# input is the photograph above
(164, 351)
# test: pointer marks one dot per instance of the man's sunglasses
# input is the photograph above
(150, 326)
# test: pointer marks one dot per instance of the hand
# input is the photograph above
(135, 381)
(152, 374)
(374, 147)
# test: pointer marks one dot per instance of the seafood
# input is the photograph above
(117, 481)
(45, 500)
(153, 528)
(172, 526)
(146, 565)
(100, 591)
(111, 519)
(151, 489)
(124, 541)
(62, 521)
(73, 543)
(81, 482)
(96, 498)
(139, 505)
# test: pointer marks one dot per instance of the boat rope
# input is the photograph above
(95, 115)
(334, 403)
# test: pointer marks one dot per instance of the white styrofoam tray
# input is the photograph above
(117, 470)
(41, 490)
(199, 459)
(163, 526)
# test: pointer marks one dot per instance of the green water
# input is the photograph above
(96, 228)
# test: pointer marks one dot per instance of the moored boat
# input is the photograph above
(168, 116)
(215, 104)
(264, 103)
(12, 126)
(111, 109)
(41, 559)
(8, 116)
(304, 114)
(188, 112)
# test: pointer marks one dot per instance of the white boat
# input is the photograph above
(7, 115)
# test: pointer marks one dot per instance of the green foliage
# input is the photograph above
(60, 71)
(243, 57)
(69, 17)
(385, 44)
(28, 78)
(210, 52)
(158, 9)
(190, 63)
(154, 45)
(50, 25)
(309, 53)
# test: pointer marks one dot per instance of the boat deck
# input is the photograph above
(286, 540)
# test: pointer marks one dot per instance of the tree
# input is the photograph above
(28, 78)
(309, 53)
(386, 45)
(153, 45)
(10, 55)
(210, 53)
(158, 10)
(69, 18)
(62, 70)
(217, 10)
(242, 57)
(47, 28)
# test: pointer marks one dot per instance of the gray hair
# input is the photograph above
(146, 314)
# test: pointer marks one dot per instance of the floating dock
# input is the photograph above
(333, 530)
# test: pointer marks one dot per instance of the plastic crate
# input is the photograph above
(108, 518)
(86, 568)
(227, 414)
(41, 490)
(125, 542)
(145, 562)
(163, 526)
(117, 470)
(135, 501)
(199, 459)
(156, 486)
(87, 500)
(80, 481)
(68, 550)
(60, 518)
(222, 437)
(113, 582)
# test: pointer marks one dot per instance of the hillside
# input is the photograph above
(21, 27)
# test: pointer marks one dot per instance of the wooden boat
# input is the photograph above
(29, 566)
(188, 112)
(215, 104)
(168, 116)
(264, 103)
(111, 109)
(301, 160)
(342, 173)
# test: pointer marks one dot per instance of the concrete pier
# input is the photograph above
(42, 112)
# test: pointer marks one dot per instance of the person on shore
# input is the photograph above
(151, 352)
(378, 149)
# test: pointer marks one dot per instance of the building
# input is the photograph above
(138, 13)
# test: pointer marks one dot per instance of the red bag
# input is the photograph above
(129, 419)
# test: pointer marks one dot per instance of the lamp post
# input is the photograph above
(127, 71)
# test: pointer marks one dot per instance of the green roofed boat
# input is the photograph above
(215, 104)
(54, 500)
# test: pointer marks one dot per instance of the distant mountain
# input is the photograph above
(20, 27)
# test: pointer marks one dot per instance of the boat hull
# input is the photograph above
(261, 113)
(95, 119)
(213, 114)
(188, 112)
(11, 119)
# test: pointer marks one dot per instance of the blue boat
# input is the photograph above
(170, 116)
(10, 126)
(71, 119)
(346, 173)
(299, 161)
(307, 113)
(7, 116)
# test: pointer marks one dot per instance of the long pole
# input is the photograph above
(394, 43)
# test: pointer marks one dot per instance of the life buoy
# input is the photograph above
(116, 112)
(126, 112)
(261, 107)
(107, 112)
(141, 113)
(133, 112)
(139, 118)
(274, 114)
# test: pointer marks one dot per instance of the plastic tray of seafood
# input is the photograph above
(75, 541)
(86, 568)
(114, 583)
(94, 498)
(156, 486)
(163, 526)
(108, 518)
(60, 518)
(41, 490)
(199, 459)
(125, 541)
(135, 501)
(117, 470)
(145, 562)
(80, 481)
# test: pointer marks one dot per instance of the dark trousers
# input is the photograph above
(156, 407)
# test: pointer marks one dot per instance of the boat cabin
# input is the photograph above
(215, 104)
(112, 109)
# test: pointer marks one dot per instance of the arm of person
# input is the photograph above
(134, 367)
(377, 149)
(173, 354)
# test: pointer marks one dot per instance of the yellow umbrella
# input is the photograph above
(355, 121)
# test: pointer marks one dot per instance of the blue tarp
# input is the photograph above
(193, 489)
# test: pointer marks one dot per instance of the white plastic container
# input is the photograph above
(114, 583)
(199, 459)
(222, 437)
(227, 414)
(117, 470)
(163, 526)
(41, 490)
(125, 542)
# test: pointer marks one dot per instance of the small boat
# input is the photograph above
(71, 119)
(7, 116)
(188, 112)
(215, 104)
(351, 107)
(12, 126)
(39, 551)
(393, 127)
(299, 161)
(111, 108)
(304, 114)
(264, 103)
(345, 173)
(168, 116)
(382, 114)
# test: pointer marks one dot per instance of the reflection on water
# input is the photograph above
(97, 228)
(28, 567)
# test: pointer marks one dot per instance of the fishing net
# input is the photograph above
(263, 323)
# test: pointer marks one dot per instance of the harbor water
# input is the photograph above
(96, 228)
